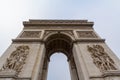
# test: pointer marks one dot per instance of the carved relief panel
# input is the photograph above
(100, 58)
(47, 32)
(31, 34)
(86, 34)
(17, 59)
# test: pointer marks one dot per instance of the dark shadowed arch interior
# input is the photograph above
(59, 43)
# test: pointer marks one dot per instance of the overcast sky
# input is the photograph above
(104, 13)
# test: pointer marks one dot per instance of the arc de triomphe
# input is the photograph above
(88, 56)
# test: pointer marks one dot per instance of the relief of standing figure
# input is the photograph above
(16, 59)
(101, 58)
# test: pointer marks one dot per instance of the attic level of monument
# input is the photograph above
(57, 23)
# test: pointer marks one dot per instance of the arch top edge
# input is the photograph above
(68, 55)
(59, 33)
(58, 42)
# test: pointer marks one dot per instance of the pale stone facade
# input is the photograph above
(89, 57)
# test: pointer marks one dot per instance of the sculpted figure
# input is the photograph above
(16, 59)
(101, 58)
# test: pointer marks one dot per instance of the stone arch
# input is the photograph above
(59, 42)
(39, 35)
(50, 33)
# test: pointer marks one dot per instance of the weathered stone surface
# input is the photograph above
(44, 37)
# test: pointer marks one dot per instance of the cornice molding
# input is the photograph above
(39, 40)
(27, 40)
(89, 40)
(108, 74)
(57, 23)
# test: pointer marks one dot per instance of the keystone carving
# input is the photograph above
(31, 34)
(86, 34)
(17, 59)
(100, 58)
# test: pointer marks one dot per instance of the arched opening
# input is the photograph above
(58, 67)
(59, 43)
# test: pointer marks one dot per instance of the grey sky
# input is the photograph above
(104, 13)
(59, 71)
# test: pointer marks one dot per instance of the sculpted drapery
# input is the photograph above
(100, 58)
(17, 59)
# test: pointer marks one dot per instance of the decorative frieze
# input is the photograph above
(31, 34)
(100, 58)
(69, 32)
(57, 21)
(17, 59)
(86, 34)
(58, 31)
(49, 32)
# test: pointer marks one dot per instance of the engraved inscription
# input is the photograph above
(86, 34)
(17, 59)
(31, 34)
(100, 58)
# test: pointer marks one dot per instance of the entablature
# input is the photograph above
(57, 23)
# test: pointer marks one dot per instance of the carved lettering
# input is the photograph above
(101, 59)
(17, 59)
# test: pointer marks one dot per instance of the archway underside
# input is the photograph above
(59, 43)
